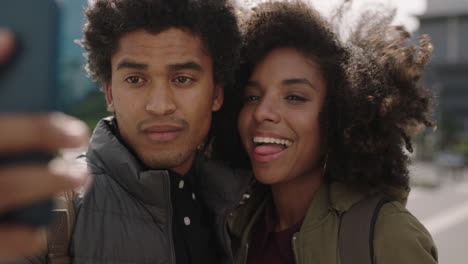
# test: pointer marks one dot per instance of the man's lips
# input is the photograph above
(163, 133)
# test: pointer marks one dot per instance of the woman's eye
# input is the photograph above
(134, 79)
(293, 97)
(251, 98)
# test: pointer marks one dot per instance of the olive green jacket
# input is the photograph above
(399, 236)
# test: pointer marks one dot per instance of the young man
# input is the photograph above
(164, 65)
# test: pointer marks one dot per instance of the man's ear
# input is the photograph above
(218, 97)
(109, 97)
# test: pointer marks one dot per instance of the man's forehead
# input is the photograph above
(172, 46)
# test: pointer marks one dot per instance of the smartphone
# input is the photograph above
(28, 82)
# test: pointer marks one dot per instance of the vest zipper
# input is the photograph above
(296, 257)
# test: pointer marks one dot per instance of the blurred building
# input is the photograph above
(446, 21)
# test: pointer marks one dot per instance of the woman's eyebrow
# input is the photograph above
(298, 81)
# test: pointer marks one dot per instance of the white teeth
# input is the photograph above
(284, 142)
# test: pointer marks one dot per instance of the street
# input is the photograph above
(442, 208)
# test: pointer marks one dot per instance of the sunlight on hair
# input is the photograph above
(406, 10)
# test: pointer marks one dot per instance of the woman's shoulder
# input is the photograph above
(395, 214)
(401, 238)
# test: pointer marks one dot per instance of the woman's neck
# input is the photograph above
(292, 199)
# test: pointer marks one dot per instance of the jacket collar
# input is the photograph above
(220, 186)
(330, 197)
(110, 156)
(342, 198)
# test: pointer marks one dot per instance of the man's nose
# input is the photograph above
(160, 100)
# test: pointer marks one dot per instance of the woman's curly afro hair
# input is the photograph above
(375, 101)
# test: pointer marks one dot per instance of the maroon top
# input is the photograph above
(272, 247)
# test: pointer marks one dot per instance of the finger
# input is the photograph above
(24, 184)
(20, 241)
(45, 132)
(7, 45)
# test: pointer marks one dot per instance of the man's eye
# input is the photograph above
(293, 97)
(133, 79)
(183, 79)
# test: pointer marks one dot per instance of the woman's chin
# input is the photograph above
(268, 177)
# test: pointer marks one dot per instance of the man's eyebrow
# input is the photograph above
(185, 66)
(132, 65)
(298, 81)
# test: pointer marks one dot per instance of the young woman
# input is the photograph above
(324, 125)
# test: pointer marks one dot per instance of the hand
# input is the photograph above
(26, 183)
(21, 184)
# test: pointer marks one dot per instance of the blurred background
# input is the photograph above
(439, 196)
(80, 96)
(439, 173)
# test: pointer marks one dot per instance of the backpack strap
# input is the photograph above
(356, 235)
(59, 234)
